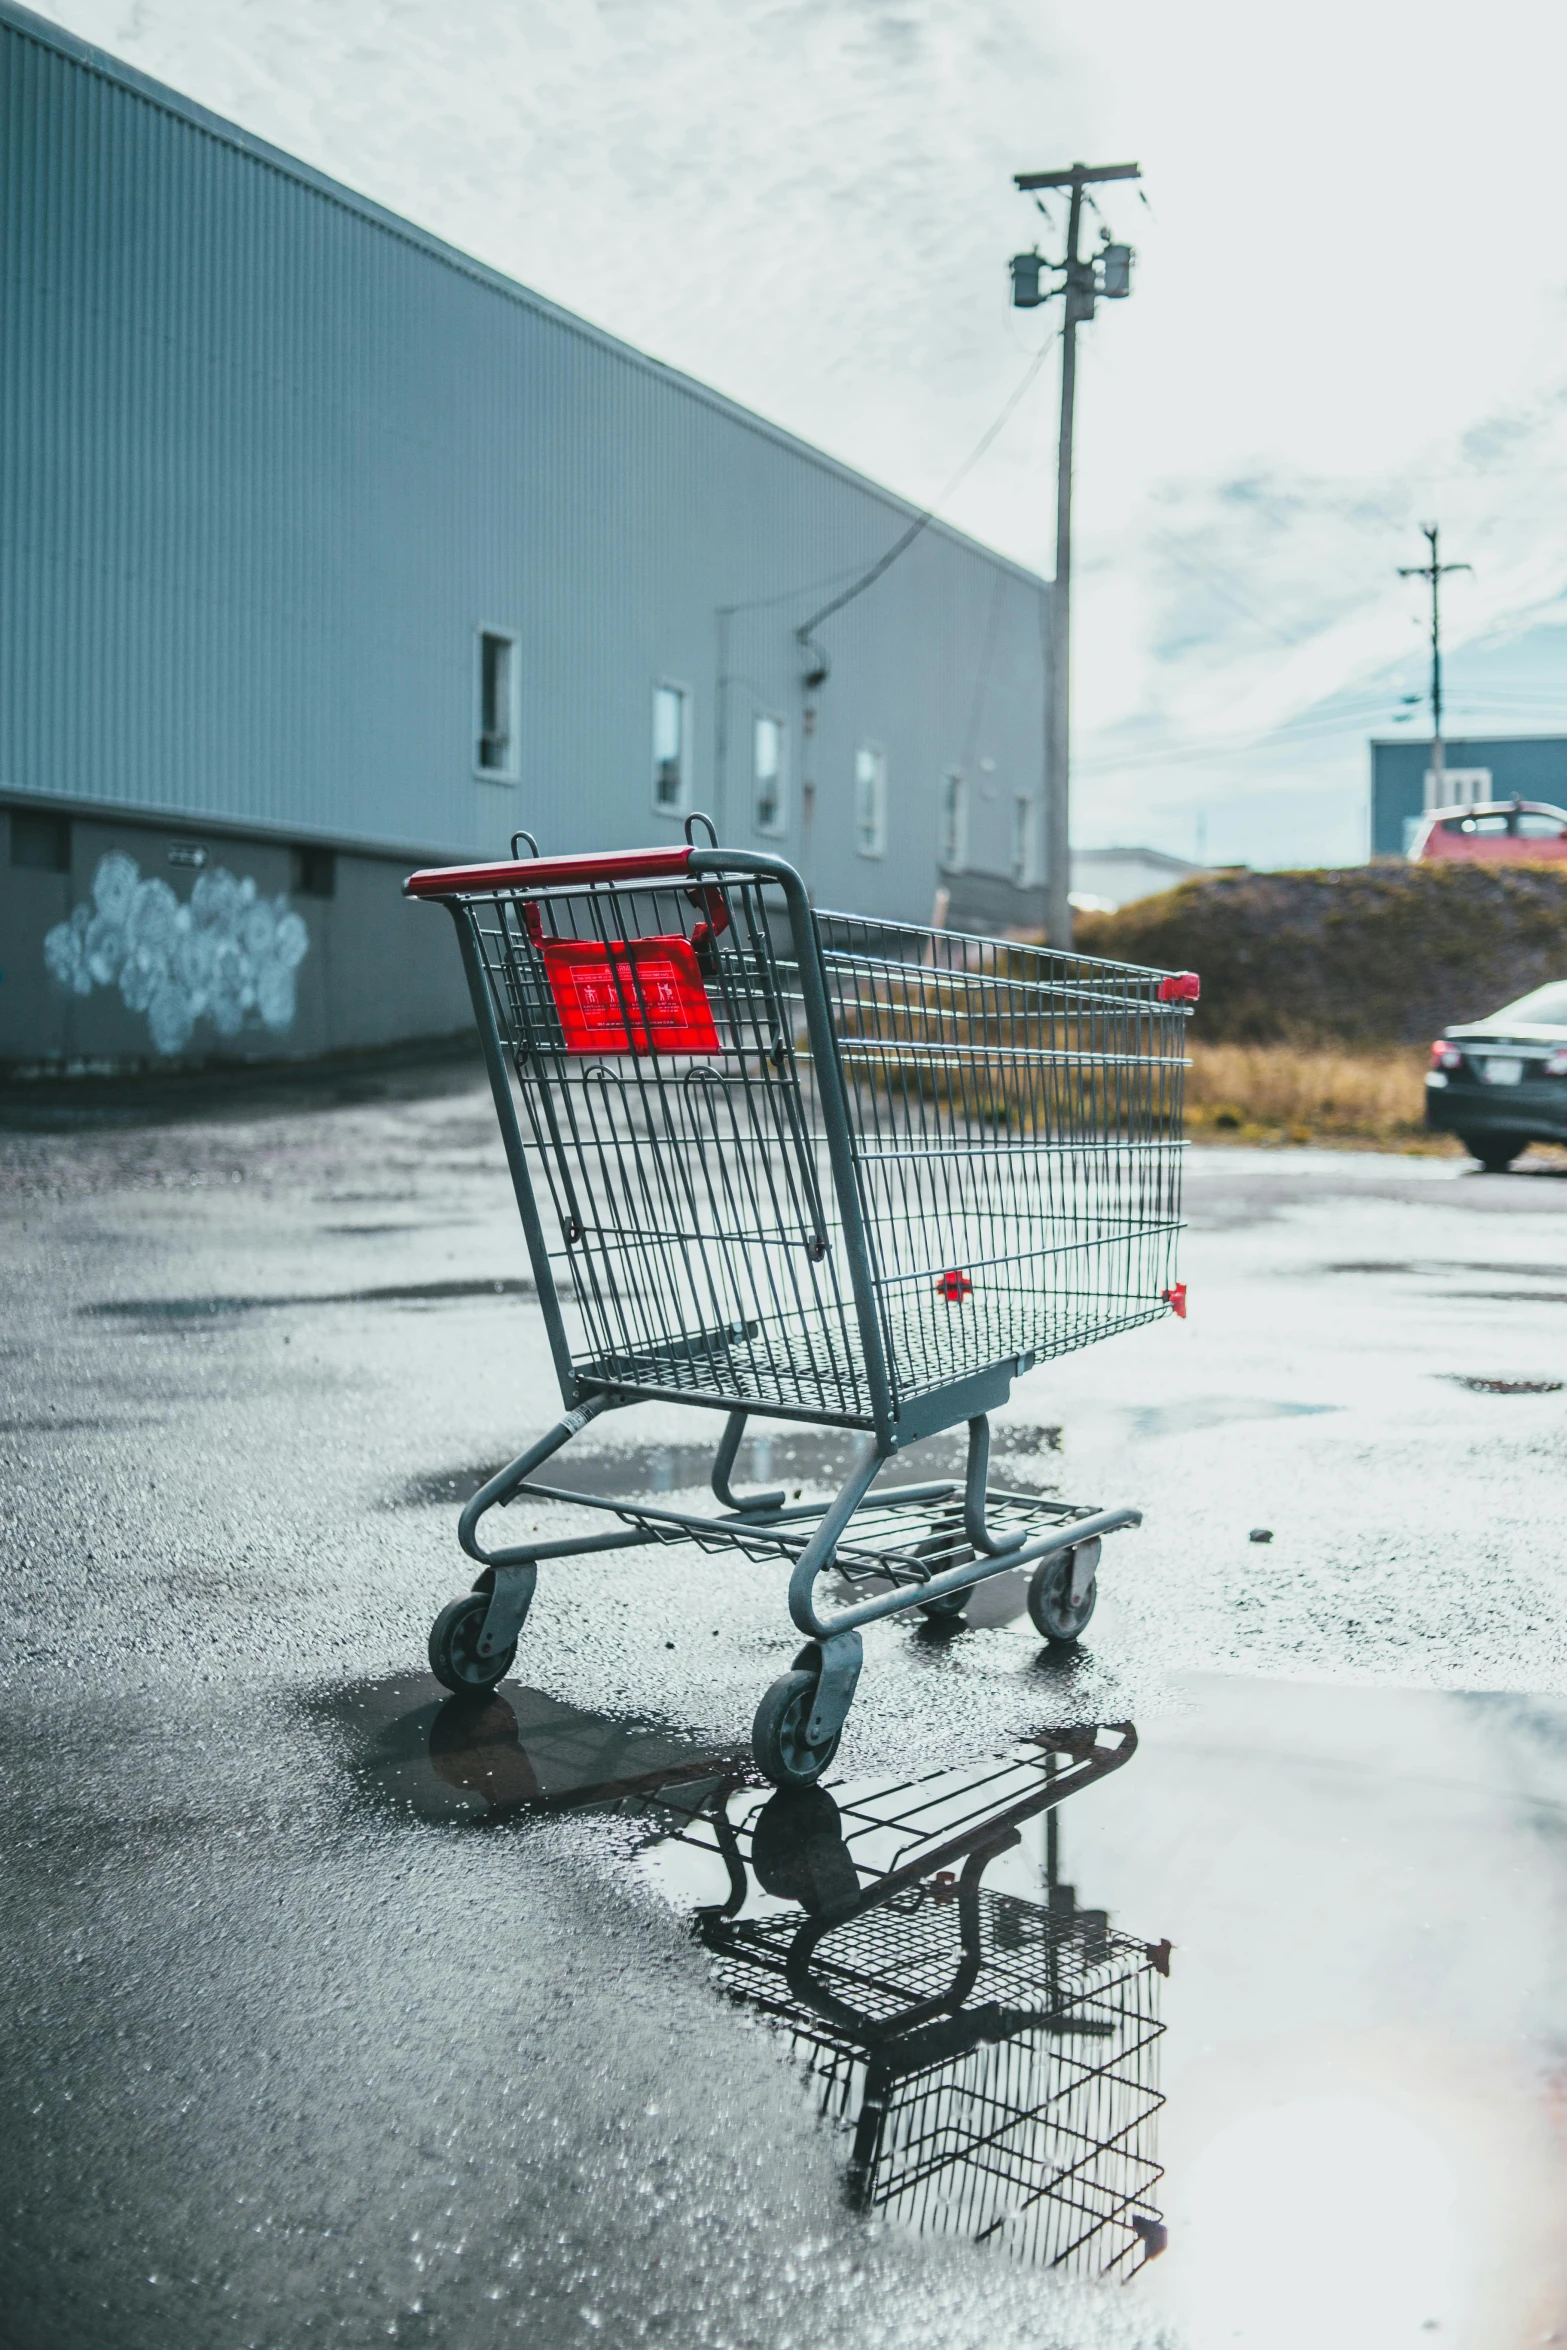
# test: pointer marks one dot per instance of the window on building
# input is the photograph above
(769, 781)
(315, 873)
(40, 843)
(1458, 787)
(671, 749)
(497, 745)
(1025, 842)
(952, 846)
(870, 801)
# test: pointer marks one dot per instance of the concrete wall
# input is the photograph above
(129, 959)
(271, 459)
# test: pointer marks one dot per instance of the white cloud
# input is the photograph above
(1350, 311)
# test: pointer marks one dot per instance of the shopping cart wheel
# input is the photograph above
(454, 1646)
(944, 1548)
(778, 1738)
(1050, 1599)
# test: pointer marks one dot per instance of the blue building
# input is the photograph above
(326, 550)
(1499, 767)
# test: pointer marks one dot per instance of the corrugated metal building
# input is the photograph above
(326, 549)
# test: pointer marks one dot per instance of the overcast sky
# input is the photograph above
(1349, 311)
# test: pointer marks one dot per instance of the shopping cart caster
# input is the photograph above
(800, 1719)
(940, 1548)
(1062, 1592)
(454, 1647)
(779, 1742)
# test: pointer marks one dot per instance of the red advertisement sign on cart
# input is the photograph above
(638, 995)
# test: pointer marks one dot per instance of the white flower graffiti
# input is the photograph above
(229, 956)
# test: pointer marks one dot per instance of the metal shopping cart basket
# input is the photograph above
(815, 1167)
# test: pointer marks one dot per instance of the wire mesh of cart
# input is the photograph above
(777, 1161)
(993, 2059)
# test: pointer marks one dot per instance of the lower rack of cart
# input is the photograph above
(879, 1554)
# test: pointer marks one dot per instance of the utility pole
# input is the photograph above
(1434, 571)
(1080, 283)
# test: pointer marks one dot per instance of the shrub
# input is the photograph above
(1375, 955)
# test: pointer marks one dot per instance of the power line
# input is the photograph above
(1310, 726)
(901, 545)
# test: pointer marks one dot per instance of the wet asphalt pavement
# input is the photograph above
(337, 2012)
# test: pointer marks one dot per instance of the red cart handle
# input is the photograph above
(451, 881)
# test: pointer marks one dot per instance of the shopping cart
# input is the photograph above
(815, 1167)
(992, 2060)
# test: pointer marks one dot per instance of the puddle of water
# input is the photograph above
(1503, 1386)
(1196, 1412)
(507, 1751)
(50, 1425)
(369, 1231)
(800, 1458)
(988, 2060)
(1285, 1976)
(201, 1309)
(1514, 1297)
(1439, 1268)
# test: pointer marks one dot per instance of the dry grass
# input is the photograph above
(1346, 1096)
(1322, 1094)
(1337, 1095)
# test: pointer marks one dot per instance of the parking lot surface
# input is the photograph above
(341, 2012)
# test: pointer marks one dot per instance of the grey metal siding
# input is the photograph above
(270, 458)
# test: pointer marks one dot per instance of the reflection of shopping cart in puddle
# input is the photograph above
(776, 1161)
(993, 2058)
